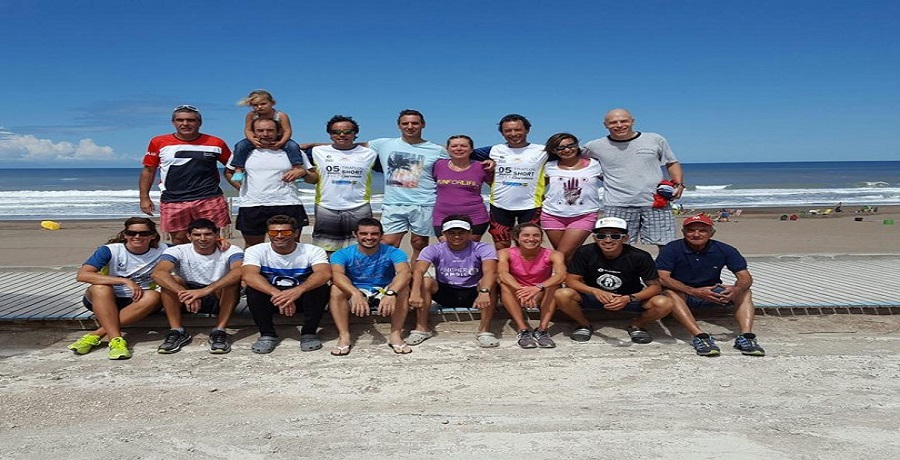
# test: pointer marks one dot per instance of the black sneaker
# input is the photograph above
(543, 339)
(526, 339)
(748, 346)
(639, 335)
(705, 345)
(219, 343)
(173, 342)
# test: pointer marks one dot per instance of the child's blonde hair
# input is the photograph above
(255, 96)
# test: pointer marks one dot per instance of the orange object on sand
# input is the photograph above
(50, 225)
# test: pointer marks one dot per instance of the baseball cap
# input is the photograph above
(455, 224)
(611, 222)
(699, 218)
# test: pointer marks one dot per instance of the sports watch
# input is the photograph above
(390, 292)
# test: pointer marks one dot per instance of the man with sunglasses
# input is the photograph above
(615, 276)
(691, 268)
(189, 178)
(631, 163)
(342, 172)
(201, 278)
(282, 277)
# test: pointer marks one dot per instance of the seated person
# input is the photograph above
(205, 279)
(369, 275)
(609, 274)
(529, 275)
(465, 275)
(691, 268)
(281, 277)
(121, 292)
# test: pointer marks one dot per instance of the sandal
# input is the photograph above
(487, 340)
(417, 337)
(582, 334)
(264, 344)
(400, 348)
(341, 350)
(310, 342)
(639, 335)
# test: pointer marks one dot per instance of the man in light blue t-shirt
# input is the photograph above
(366, 276)
(409, 187)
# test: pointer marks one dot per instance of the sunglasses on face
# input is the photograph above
(274, 233)
(341, 131)
(612, 236)
(563, 148)
(137, 233)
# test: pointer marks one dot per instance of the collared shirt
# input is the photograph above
(699, 268)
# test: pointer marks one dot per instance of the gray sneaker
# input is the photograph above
(526, 339)
(543, 339)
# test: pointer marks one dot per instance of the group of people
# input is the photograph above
(429, 191)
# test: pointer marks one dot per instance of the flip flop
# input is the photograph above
(310, 342)
(400, 348)
(265, 344)
(341, 350)
(487, 340)
(417, 337)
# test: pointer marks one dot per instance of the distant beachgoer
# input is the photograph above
(122, 290)
(189, 178)
(723, 215)
(838, 207)
(690, 270)
(268, 189)
(518, 185)
(342, 173)
(572, 200)
(459, 181)
(263, 106)
(631, 163)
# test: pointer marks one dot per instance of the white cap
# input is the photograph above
(455, 224)
(611, 222)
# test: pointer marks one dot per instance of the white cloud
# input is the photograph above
(28, 148)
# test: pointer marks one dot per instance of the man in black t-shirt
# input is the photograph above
(614, 276)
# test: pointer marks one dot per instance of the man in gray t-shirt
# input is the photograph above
(631, 163)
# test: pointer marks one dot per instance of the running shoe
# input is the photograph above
(581, 334)
(118, 349)
(85, 344)
(219, 343)
(526, 339)
(173, 342)
(748, 346)
(705, 345)
(543, 339)
(639, 335)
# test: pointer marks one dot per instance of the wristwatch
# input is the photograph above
(540, 286)
(390, 292)
(632, 298)
(484, 290)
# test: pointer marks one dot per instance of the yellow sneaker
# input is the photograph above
(85, 344)
(118, 349)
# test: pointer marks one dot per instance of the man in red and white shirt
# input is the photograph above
(188, 175)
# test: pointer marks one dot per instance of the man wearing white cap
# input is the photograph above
(613, 276)
(465, 277)
(691, 268)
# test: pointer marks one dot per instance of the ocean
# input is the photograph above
(96, 193)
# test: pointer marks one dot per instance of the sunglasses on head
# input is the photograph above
(137, 232)
(341, 131)
(186, 107)
(612, 236)
(274, 233)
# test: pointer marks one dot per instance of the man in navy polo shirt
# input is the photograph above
(690, 269)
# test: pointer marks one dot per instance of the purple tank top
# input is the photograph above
(459, 192)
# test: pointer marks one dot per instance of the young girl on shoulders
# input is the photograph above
(262, 105)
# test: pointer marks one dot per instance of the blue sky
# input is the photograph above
(88, 83)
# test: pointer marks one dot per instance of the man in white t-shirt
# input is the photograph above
(409, 188)
(342, 173)
(199, 277)
(268, 188)
(518, 178)
(284, 276)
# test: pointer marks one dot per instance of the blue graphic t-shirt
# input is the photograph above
(407, 170)
(368, 272)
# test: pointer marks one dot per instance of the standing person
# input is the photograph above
(631, 163)
(199, 277)
(465, 277)
(459, 181)
(121, 290)
(609, 275)
(529, 276)
(369, 275)
(268, 189)
(409, 188)
(690, 270)
(342, 173)
(189, 178)
(284, 276)
(518, 185)
(262, 105)
(572, 195)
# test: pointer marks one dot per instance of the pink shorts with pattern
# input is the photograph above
(175, 217)
(585, 222)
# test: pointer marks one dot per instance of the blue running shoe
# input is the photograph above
(705, 345)
(748, 346)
